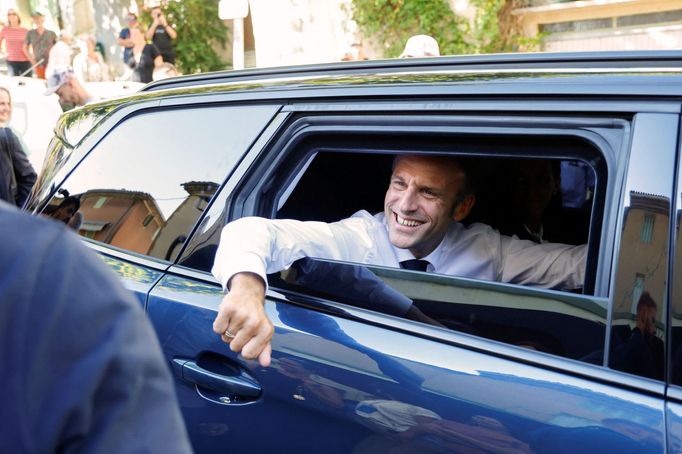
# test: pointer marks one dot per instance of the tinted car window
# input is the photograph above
(676, 299)
(146, 184)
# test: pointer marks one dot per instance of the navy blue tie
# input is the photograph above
(414, 264)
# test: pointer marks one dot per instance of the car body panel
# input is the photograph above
(384, 389)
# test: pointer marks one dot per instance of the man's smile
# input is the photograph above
(407, 222)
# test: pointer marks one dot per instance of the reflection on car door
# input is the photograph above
(338, 384)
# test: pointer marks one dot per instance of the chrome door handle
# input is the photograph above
(240, 385)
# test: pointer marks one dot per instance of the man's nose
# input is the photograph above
(408, 200)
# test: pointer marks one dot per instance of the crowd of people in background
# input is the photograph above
(40, 52)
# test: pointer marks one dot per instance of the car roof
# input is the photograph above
(476, 67)
(591, 75)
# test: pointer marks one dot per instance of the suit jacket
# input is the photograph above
(17, 176)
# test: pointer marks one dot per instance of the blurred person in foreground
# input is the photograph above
(37, 44)
(64, 83)
(87, 373)
(419, 46)
(13, 35)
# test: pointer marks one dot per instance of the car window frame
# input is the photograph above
(244, 202)
(88, 144)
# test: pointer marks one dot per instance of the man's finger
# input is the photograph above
(264, 357)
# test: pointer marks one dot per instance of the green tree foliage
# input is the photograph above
(496, 29)
(392, 22)
(199, 29)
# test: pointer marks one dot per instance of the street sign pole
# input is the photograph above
(238, 44)
(236, 10)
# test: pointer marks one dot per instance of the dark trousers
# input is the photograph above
(17, 68)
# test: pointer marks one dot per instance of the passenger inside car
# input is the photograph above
(427, 198)
(539, 325)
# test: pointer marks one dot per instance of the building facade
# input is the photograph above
(600, 25)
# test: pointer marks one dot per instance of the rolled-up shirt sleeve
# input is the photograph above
(549, 265)
(262, 246)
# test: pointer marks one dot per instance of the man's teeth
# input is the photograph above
(407, 222)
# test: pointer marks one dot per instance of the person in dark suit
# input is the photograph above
(17, 176)
(82, 368)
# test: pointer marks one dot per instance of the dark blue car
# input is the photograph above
(496, 367)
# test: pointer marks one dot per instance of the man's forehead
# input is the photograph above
(436, 165)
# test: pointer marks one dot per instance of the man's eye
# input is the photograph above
(398, 184)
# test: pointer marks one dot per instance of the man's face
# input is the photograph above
(5, 108)
(67, 94)
(38, 20)
(420, 202)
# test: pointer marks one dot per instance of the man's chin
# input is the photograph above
(401, 241)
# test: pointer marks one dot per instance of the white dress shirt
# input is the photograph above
(264, 246)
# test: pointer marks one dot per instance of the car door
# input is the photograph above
(348, 377)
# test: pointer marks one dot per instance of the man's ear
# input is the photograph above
(463, 208)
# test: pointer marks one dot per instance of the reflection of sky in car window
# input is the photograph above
(648, 174)
(156, 153)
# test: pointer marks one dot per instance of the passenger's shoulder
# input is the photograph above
(477, 228)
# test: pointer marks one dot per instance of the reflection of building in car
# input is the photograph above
(174, 232)
(645, 226)
(115, 216)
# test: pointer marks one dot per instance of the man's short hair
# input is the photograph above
(465, 165)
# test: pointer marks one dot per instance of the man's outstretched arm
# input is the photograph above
(252, 247)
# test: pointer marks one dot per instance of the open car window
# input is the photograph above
(330, 186)
(563, 180)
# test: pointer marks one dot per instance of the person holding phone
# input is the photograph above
(162, 35)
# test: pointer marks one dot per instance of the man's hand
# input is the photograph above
(242, 315)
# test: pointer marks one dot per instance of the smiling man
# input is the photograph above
(419, 229)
